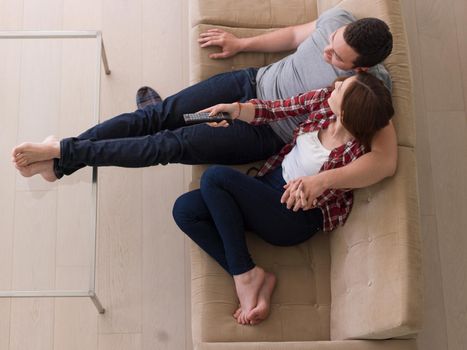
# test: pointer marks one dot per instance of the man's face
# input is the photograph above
(338, 52)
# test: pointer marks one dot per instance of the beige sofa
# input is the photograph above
(356, 288)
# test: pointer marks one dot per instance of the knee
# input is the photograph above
(182, 211)
(215, 175)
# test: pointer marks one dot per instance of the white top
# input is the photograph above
(306, 158)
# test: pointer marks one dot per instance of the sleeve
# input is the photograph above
(269, 111)
(380, 72)
(333, 19)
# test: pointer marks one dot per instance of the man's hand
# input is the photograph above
(229, 43)
(301, 193)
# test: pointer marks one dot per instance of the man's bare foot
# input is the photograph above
(45, 168)
(28, 153)
(248, 285)
(261, 311)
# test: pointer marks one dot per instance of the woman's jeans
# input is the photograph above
(157, 134)
(230, 202)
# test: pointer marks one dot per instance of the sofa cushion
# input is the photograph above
(300, 305)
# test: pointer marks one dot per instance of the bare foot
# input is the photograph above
(248, 285)
(261, 311)
(28, 153)
(45, 168)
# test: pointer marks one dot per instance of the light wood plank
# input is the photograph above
(164, 291)
(460, 10)
(76, 320)
(9, 90)
(11, 14)
(161, 50)
(163, 245)
(434, 333)
(42, 15)
(75, 324)
(120, 218)
(120, 261)
(438, 45)
(449, 151)
(32, 324)
(120, 342)
(5, 308)
(82, 15)
(422, 147)
(34, 241)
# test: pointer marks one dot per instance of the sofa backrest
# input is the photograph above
(375, 256)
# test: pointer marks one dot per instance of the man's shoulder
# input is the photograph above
(335, 14)
(382, 73)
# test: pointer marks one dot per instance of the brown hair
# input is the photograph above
(367, 108)
(371, 39)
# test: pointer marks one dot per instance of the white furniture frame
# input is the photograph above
(100, 49)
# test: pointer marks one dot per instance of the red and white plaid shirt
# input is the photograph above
(334, 203)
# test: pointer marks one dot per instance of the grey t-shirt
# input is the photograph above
(306, 69)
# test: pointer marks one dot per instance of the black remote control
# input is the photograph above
(203, 117)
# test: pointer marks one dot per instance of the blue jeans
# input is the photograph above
(230, 202)
(157, 134)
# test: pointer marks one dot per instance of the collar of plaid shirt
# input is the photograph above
(334, 203)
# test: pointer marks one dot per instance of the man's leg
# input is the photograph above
(222, 88)
(198, 144)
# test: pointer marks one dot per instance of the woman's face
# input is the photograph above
(337, 95)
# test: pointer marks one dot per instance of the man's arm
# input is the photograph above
(283, 39)
(365, 171)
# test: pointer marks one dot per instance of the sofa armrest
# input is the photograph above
(252, 14)
(315, 345)
(376, 282)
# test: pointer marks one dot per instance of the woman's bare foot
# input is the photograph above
(28, 153)
(248, 285)
(261, 311)
(45, 168)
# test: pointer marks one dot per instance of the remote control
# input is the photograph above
(203, 117)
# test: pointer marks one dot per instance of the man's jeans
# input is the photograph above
(229, 202)
(157, 134)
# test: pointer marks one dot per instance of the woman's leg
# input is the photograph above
(193, 217)
(237, 202)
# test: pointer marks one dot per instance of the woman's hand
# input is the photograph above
(302, 193)
(229, 43)
(293, 197)
(231, 108)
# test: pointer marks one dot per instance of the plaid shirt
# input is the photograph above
(334, 203)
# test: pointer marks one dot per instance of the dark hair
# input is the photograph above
(371, 39)
(367, 108)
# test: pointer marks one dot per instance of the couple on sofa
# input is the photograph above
(334, 135)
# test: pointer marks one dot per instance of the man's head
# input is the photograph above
(359, 45)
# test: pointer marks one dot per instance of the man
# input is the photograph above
(333, 45)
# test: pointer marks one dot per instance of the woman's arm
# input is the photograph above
(259, 112)
(284, 39)
(367, 170)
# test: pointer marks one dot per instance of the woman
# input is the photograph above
(340, 125)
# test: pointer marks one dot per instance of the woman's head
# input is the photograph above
(364, 105)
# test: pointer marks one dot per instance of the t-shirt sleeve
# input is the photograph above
(333, 19)
(382, 73)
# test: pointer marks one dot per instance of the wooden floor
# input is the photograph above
(143, 272)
